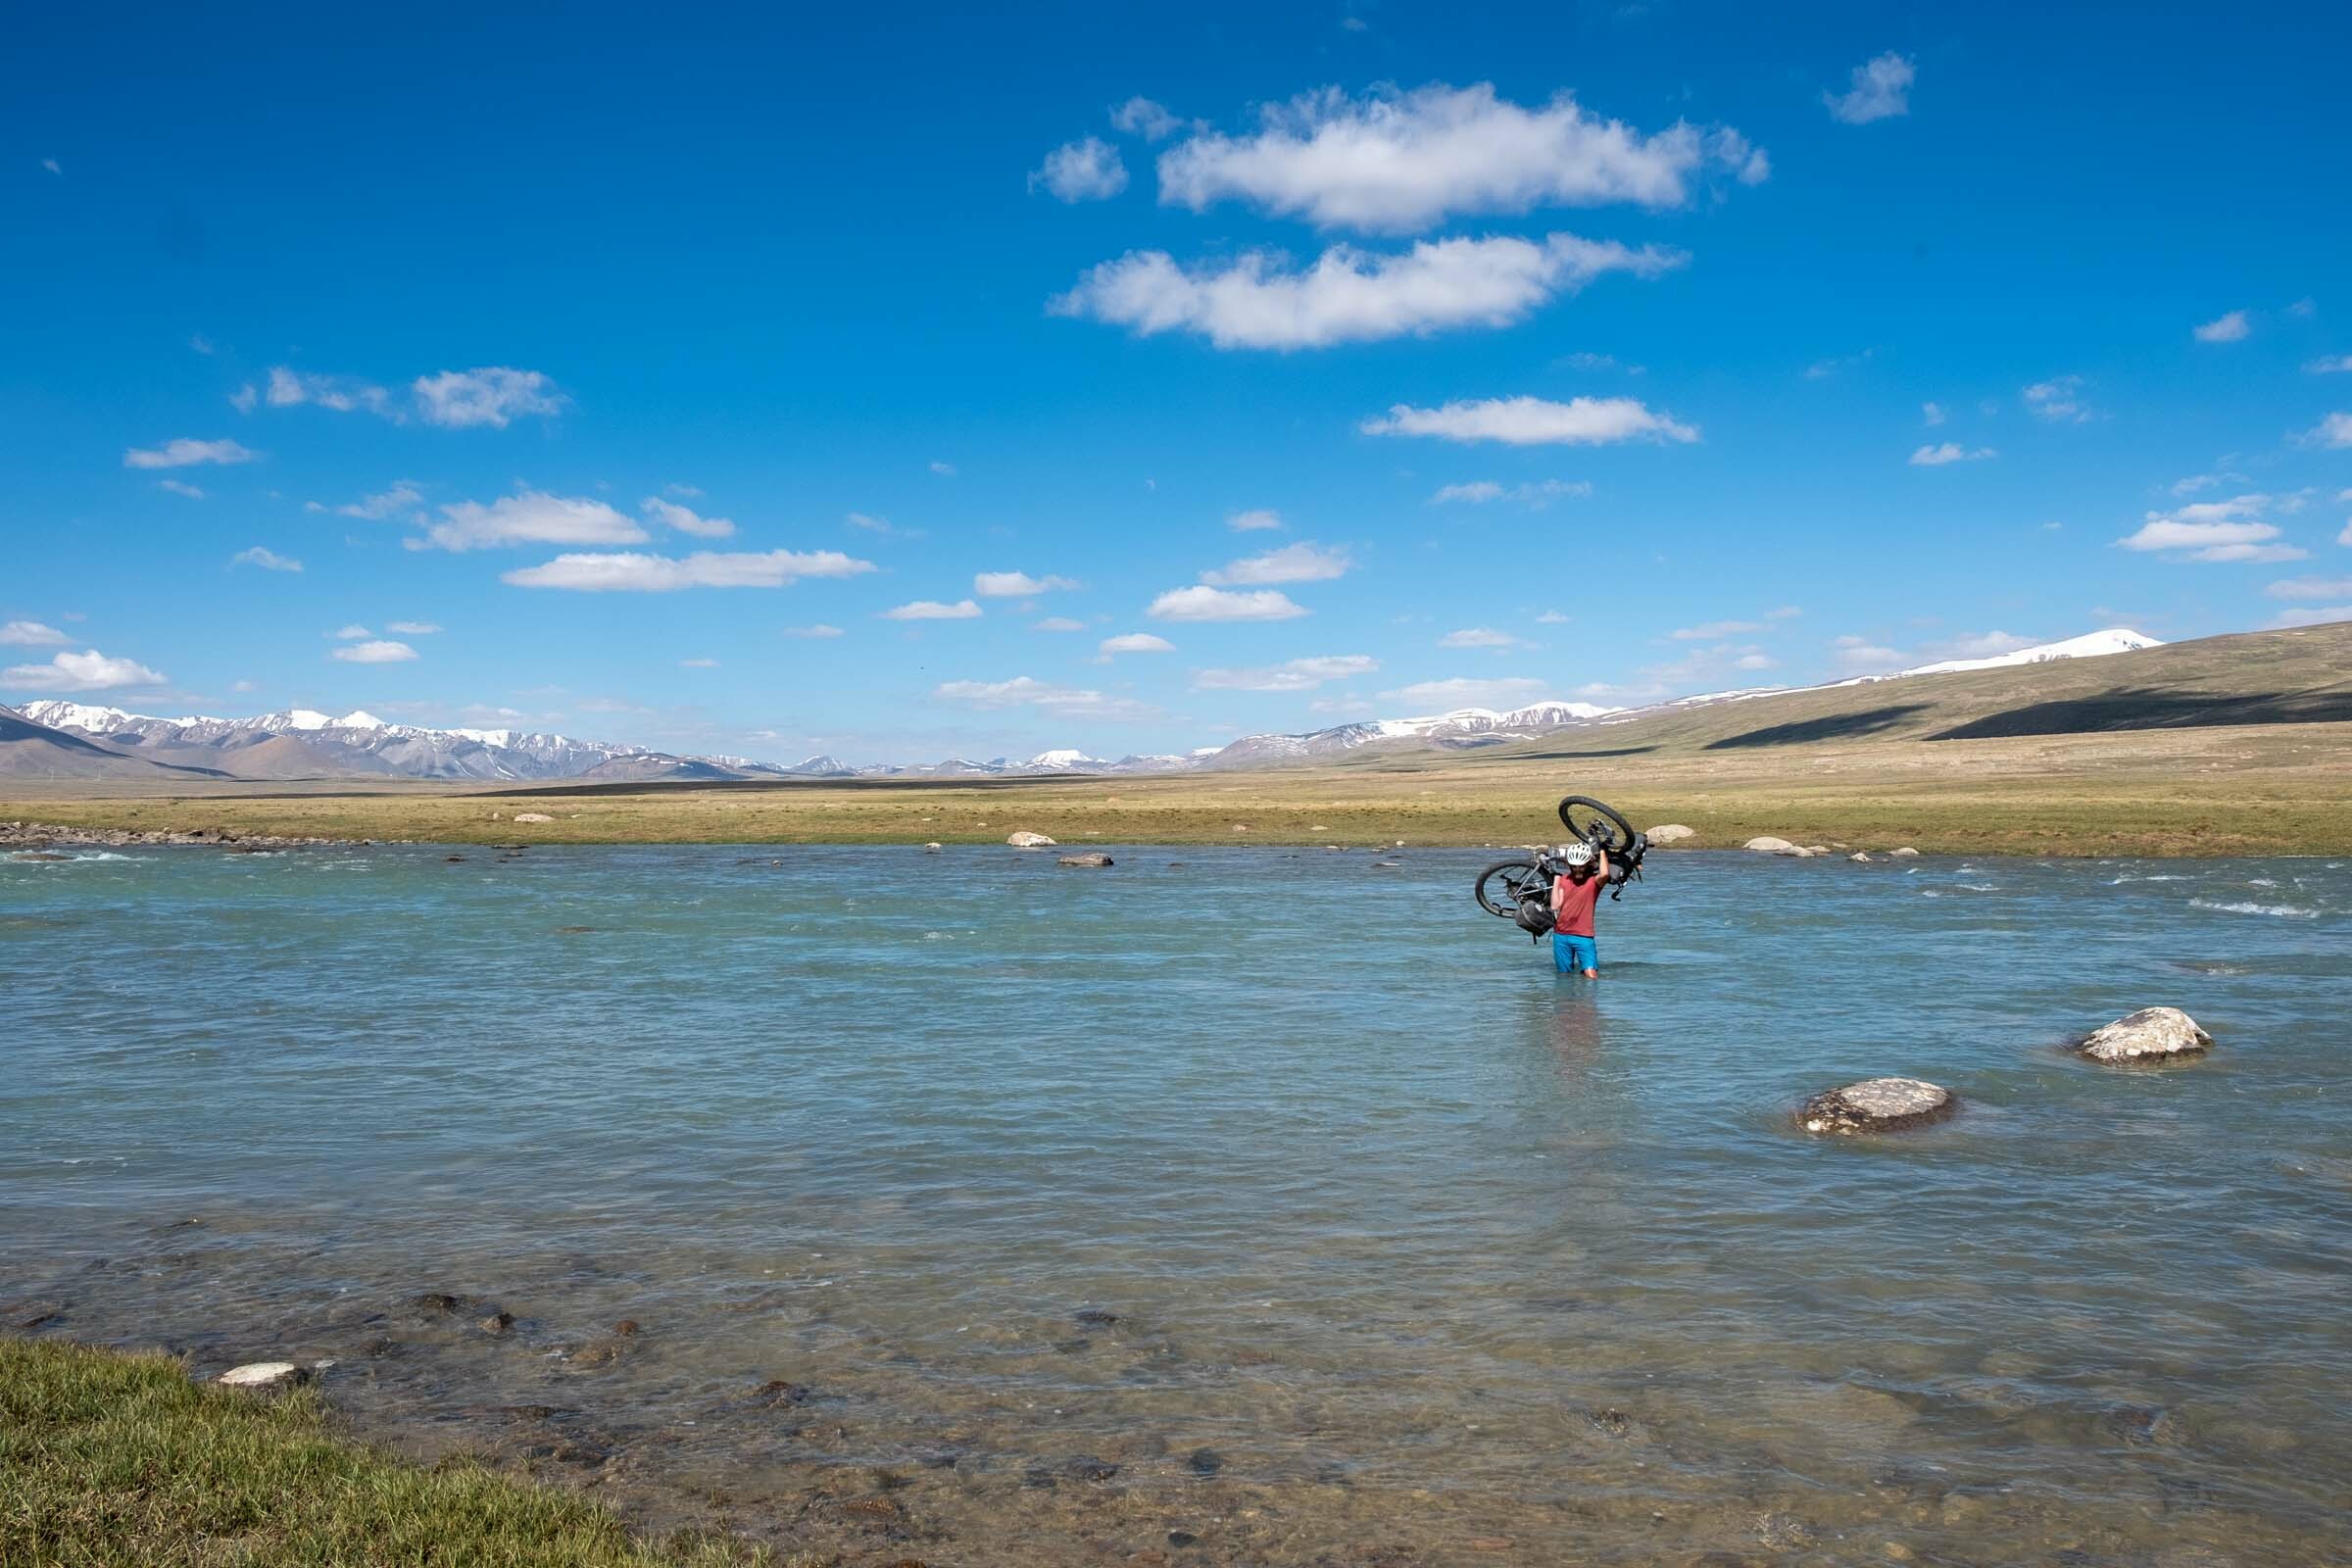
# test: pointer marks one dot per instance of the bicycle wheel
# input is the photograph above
(1502, 886)
(1595, 823)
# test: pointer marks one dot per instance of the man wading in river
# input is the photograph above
(1572, 900)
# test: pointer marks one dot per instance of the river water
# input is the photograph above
(974, 1211)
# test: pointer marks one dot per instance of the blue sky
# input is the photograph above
(1584, 351)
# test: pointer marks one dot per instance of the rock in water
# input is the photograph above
(1861, 856)
(1768, 844)
(1670, 833)
(2152, 1034)
(1876, 1106)
(1906, 853)
(1029, 841)
(263, 1375)
(533, 817)
(1095, 858)
(933, 848)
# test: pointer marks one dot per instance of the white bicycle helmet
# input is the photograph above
(1577, 855)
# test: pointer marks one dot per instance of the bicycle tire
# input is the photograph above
(1507, 904)
(1620, 835)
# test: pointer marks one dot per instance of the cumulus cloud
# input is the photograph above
(1221, 604)
(376, 651)
(86, 671)
(1482, 637)
(1881, 89)
(384, 502)
(2315, 617)
(495, 395)
(2335, 430)
(1062, 702)
(1859, 656)
(1536, 493)
(185, 452)
(354, 630)
(1057, 623)
(698, 664)
(1137, 642)
(1931, 414)
(290, 388)
(1016, 585)
(1936, 456)
(1303, 561)
(1348, 295)
(2059, 400)
(1710, 631)
(1534, 422)
(2310, 588)
(2229, 531)
(2228, 328)
(412, 628)
(627, 572)
(1393, 161)
(531, 516)
(933, 610)
(946, 471)
(267, 560)
(1085, 170)
(180, 487)
(1253, 520)
(1295, 675)
(1445, 696)
(2330, 363)
(684, 520)
(818, 631)
(1141, 116)
(30, 634)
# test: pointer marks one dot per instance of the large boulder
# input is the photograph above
(1876, 1106)
(2152, 1034)
(1029, 841)
(1906, 853)
(1768, 844)
(1671, 833)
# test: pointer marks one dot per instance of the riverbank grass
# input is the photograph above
(114, 1458)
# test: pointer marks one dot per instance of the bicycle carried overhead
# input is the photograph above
(1521, 891)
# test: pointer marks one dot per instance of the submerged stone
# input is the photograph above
(1029, 841)
(1876, 1106)
(2152, 1034)
(1095, 857)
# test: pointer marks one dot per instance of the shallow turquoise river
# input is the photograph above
(1247, 1206)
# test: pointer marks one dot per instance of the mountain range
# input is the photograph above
(56, 739)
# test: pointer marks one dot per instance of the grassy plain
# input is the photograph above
(2226, 746)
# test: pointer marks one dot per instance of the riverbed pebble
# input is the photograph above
(1876, 1105)
(2152, 1034)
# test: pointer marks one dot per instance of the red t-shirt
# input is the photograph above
(1572, 905)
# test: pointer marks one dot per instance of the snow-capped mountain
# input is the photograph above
(1461, 727)
(2092, 645)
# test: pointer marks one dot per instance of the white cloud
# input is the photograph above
(1937, 456)
(698, 664)
(1444, 696)
(1859, 656)
(1823, 369)
(1536, 493)
(933, 610)
(1395, 162)
(628, 571)
(1482, 637)
(684, 520)
(1983, 645)
(290, 388)
(375, 508)
(1882, 88)
(1253, 520)
(2335, 430)
(1348, 295)
(1057, 623)
(1931, 414)
(2316, 617)
(381, 651)
(2310, 588)
(1553, 617)
(267, 560)
(245, 398)
(492, 395)
(2330, 365)
(1785, 613)
(1534, 422)
(1710, 631)
(1085, 170)
(30, 634)
(1062, 702)
(1303, 561)
(2059, 400)
(2195, 483)
(1295, 675)
(354, 630)
(1137, 642)
(820, 630)
(2228, 328)
(946, 471)
(2345, 538)
(2229, 531)
(531, 516)
(52, 165)
(185, 452)
(1218, 604)
(1016, 585)
(412, 628)
(88, 671)
(180, 487)
(1141, 116)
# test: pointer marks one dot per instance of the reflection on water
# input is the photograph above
(976, 1211)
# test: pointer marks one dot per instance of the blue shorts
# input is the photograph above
(1574, 955)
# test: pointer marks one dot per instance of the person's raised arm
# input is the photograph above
(1604, 866)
